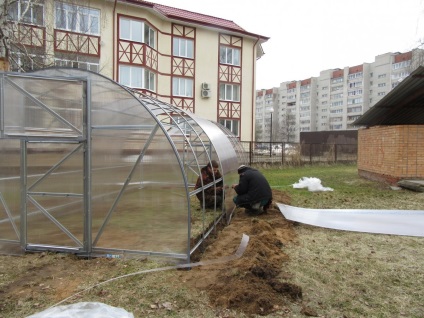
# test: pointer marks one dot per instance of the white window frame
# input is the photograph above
(25, 11)
(136, 31)
(182, 47)
(229, 55)
(182, 86)
(76, 18)
(138, 77)
(232, 125)
(230, 92)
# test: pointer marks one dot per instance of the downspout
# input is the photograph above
(254, 90)
(113, 41)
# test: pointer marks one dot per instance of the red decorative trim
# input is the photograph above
(28, 35)
(182, 67)
(71, 42)
(183, 103)
(229, 110)
(230, 74)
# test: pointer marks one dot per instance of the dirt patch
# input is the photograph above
(254, 283)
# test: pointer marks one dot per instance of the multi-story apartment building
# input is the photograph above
(335, 99)
(200, 63)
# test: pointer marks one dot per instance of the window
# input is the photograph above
(355, 75)
(355, 92)
(354, 101)
(136, 77)
(336, 96)
(136, 31)
(356, 109)
(381, 84)
(77, 19)
(336, 80)
(27, 12)
(183, 47)
(401, 64)
(337, 88)
(337, 103)
(231, 124)
(229, 92)
(182, 86)
(228, 55)
(356, 84)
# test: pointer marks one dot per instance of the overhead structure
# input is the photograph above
(90, 167)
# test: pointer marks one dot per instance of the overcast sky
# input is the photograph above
(308, 36)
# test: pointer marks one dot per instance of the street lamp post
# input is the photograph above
(271, 110)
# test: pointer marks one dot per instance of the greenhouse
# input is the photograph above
(96, 169)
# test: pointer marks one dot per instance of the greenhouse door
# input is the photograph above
(53, 211)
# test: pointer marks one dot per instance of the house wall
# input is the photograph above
(391, 153)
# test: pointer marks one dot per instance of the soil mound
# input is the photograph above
(256, 282)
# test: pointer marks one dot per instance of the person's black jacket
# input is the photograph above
(252, 187)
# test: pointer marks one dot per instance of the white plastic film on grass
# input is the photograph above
(312, 184)
(397, 222)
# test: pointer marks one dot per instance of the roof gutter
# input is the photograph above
(254, 89)
(113, 40)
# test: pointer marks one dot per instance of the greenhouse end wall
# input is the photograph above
(94, 168)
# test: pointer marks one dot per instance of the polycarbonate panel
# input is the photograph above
(10, 190)
(55, 194)
(139, 194)
(222, 145)
(42, 107)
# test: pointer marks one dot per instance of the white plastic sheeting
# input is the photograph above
(312, 184)
(397, 222)
(84, 310)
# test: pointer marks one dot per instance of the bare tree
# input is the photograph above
(29, 41)
(417, 58)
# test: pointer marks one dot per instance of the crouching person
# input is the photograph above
(253, 191)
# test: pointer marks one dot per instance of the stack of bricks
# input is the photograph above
(391, 153)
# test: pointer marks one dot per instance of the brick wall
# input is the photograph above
(391, 153)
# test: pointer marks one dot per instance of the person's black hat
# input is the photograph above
(241, 169)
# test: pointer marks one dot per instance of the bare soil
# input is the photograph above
(257, 283)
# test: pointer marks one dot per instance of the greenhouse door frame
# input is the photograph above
(27, 197)
(82, 139)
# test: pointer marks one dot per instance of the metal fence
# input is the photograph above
(285, 153)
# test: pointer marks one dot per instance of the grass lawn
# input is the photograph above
(351, 274)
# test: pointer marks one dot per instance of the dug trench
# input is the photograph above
(256, 283)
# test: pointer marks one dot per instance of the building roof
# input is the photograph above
(195, 18)
(403, 105)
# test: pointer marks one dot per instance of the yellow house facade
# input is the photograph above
(200, 63)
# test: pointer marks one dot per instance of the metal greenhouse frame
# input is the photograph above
(94, 168)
